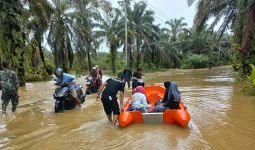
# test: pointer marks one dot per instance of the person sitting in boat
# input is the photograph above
(171, 98)
(139, 100)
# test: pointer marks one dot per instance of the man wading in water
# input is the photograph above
(110, 89)
(9, 86)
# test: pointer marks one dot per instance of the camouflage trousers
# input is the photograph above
(6, 97)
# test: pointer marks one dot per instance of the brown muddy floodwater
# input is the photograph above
(221, 118)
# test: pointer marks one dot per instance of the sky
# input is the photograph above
(168, 9)
(164, 11)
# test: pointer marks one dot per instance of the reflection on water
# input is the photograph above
(221, 118)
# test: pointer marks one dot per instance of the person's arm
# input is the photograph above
(144, 101)
(140, 75)
(100, 90)
(121, 100)
(100, 73)
(71, 77)
(0, 82)
(58, 81)
(15, 79)
(67, 78)
(130, 74)
(121, 91)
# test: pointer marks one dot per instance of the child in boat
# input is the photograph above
(139, 100)
(171, 98)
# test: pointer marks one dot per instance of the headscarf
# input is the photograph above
(174, 90)
(165, 98)
(171, 89)
(138, 89)
(167, 84)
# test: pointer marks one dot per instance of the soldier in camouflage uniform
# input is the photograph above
(9, 86)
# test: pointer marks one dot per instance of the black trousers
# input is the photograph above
(110, 104)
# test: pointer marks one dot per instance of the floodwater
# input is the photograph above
(221, 118)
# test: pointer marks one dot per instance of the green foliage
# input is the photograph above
(251, 77)
(237, 66)
(150, 67)
(12, 33)
(74, 38)
(37, 74)
(104, 61)
(195, 61)
(247, 82)
(247, 87)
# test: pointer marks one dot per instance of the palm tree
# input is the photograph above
(152, 53)
(169, 51)
(12, 41)
(176, 26)
(240, 14)
(86, 18)
(110, 29)
(60, 33)
(141, 23)
(40, 12)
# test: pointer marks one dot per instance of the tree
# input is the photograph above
(40, 12)
(13, 36)
(86, 18)
(141, 23)
(60, 33)
(169, 51)
(176, 26)
(240, 14)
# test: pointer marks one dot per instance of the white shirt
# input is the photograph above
(139, 100)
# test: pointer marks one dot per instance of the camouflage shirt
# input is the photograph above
(8, 80)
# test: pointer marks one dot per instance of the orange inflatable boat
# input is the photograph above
(178, 116)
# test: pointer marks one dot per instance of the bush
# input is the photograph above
(37, 74)
(251, 77)
(237, 66)
(247, 81)
(247, 87)
(195, 61)
(150, 67)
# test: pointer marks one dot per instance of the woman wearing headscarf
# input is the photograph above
(139, 100)
(171, 98)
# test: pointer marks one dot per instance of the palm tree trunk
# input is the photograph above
(82, 56)
(138, 53)
(130, 63)
(89, 58)
(34, 60)
(21, 70)
(113, 57)
(17, 50)
(41, 53)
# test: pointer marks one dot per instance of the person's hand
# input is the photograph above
(97, 98)
(122, 109)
